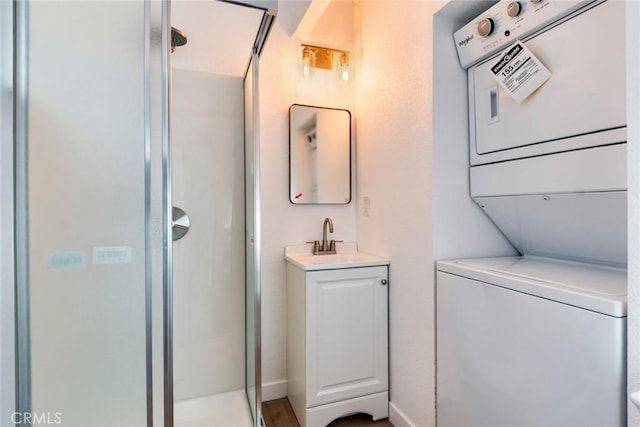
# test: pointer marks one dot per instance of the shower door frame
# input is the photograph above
(254, 67)
(7, 259)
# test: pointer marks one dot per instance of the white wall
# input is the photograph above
(220, 36)
(415, 172)
(282, 84)
(460, 228)
(393, 92)
(392, 112)
(208, 263)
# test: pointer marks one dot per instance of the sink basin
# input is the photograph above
(307, 261)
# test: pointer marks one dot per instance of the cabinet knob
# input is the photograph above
(384, 281)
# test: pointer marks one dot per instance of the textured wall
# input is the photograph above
(413, 165)
(393, 104)
(282, 84)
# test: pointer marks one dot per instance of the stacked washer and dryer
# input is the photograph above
(540, 339)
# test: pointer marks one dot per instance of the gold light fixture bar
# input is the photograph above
(322, 57)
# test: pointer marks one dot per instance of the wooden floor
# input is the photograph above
(278, 413)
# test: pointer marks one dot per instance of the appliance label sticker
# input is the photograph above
(519, 72)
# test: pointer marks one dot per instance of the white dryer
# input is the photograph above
(551, 171)
(529, 341)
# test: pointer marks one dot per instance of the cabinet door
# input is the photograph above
(346, 334)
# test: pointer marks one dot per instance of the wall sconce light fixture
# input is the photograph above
(323, 57)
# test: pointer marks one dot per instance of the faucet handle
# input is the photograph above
(316, 246)
(332, 244)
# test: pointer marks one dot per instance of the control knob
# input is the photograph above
(513, 9)
(485, 27)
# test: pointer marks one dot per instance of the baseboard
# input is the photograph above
(274, 390)
(397, 418)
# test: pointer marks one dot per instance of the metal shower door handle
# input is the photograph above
(180, 223)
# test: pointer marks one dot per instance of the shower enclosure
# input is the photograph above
(105, 320)
(208, 181)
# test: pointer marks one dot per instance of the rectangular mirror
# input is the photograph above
(319, 155)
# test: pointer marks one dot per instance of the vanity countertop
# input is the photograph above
(347, 257)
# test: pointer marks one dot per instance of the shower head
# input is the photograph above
(178, 38)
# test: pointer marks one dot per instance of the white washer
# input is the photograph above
(530, 341)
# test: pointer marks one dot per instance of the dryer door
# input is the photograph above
(581, 105)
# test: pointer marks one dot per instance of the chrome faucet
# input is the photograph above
(325, 247)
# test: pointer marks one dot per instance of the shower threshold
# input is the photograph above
(216, 410)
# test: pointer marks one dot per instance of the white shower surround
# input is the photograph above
(208, 273)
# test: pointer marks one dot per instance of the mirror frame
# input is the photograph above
(350, 158)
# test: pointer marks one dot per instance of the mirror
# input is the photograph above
(319, 155)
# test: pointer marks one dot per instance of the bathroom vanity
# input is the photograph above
(337, 336)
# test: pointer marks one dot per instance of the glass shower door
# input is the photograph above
(93, 250)
(252, 333)
(83, 213)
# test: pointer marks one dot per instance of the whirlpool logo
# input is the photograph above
(39, 418)
(465, 41)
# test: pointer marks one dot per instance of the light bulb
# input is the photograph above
(344, 66)
(306, 69)
(306, 59)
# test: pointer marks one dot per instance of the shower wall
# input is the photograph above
(208, 263)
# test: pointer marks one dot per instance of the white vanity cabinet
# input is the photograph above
(337, 341)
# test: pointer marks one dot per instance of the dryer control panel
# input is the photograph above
(507, 21)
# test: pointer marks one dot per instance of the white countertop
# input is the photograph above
(347, 257)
